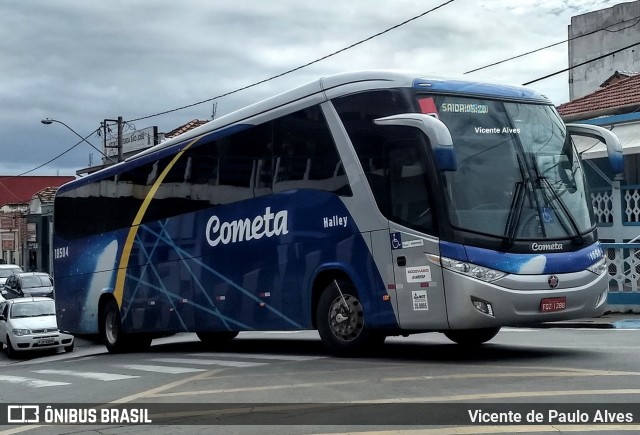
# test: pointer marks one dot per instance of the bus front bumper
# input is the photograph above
(522, 300)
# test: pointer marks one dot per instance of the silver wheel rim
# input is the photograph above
(346, 318)
(110, 327)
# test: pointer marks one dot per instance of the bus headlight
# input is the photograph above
(599, 266)
(473, 270)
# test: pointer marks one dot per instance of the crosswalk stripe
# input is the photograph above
(159, 369)
(36, 383)
(209, 362)
(87, 375)
(267, 356)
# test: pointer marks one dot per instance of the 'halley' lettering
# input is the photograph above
(335, 221)
(267, 225)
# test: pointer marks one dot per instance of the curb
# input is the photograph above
(576, 325)
(593, 324)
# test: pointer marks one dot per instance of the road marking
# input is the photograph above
(503, 395)
(263, 388)
(107, 377)
(159, 369)
(170, 385)
(208, 362)
(266, 356)
(36, 383)
(125, 399)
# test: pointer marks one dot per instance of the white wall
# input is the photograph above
(587, 79)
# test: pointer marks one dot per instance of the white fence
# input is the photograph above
(617, 211)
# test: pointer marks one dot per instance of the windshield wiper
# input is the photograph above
(515, 211)
(549, 188)
(517, 203)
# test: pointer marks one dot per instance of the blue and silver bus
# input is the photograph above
(362, 205)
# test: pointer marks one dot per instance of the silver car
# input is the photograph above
(6, 270)
(28, 284)
(28, 324)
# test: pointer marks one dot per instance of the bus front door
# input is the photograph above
(419, 283)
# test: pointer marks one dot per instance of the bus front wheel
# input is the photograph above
(341, 322)
(471, 337)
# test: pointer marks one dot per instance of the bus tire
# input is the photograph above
(216, 337)
(113, 337)
(471, 337)
(343, 328)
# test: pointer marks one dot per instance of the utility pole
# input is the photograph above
(120, 127)
(120, 123)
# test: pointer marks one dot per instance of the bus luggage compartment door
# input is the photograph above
(419, 283)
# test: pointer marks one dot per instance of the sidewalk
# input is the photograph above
(607, 321)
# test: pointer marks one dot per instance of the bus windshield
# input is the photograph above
(518, 175)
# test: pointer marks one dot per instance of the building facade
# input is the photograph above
(590, 44)
(18, 234)
(615, 197)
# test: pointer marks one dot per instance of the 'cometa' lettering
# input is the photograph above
(242, 230)
(546, 246)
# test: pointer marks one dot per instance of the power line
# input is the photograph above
(298, 67)
(256, 83)
(561, 42)
(581, 64)
(53, 159)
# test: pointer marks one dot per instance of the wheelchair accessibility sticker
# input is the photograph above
(398, 243)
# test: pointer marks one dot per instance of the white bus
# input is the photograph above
(362, 205)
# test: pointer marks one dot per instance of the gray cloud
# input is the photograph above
(81, 62)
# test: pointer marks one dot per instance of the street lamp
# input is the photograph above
(49, 121)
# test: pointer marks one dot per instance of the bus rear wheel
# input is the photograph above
(471, 337)
(341, 322)
(113, 336)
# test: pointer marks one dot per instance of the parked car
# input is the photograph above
(29, 323)
(28, 284)
(6, 270)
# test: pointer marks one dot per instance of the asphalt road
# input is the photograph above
(420, 384)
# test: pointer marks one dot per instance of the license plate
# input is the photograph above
(548, 305)
(46, 341)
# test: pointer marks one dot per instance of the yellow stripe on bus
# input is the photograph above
(118, 291)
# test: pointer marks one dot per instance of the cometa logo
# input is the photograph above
(546, 247)
(241, 230)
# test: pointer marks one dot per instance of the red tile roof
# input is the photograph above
(617, 76)
(626, 92)
(46, 195)
(20, 190)
(184, 128)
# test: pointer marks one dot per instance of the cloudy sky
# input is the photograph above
(81, 62)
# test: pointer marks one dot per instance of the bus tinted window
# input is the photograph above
(305, 156)
(296, 151)
(394, 159)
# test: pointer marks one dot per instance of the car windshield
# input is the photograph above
(6, 273)
(33, 309)
(31, 281)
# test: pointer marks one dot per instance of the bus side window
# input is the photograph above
(305, 155)
(410, 201)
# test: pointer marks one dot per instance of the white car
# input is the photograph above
(28, 324)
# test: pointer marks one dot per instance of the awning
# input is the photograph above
(629, 135)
